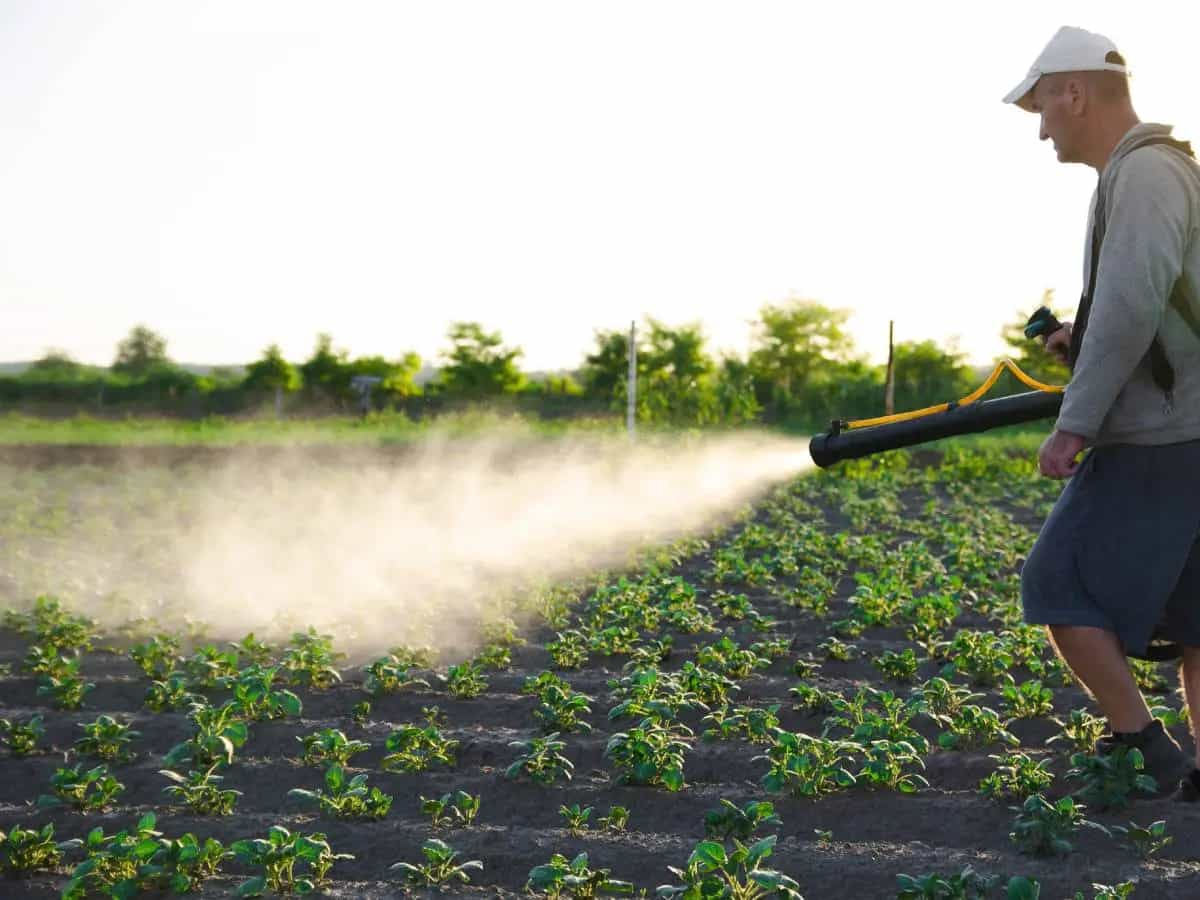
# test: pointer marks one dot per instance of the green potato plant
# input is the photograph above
(1109, 780)
(329, 745)
(942, 700)
(1079, 732)
(1109, 891)
(574, 878)
(346, 798)
(812, 699)
(466, 680)
(106, 739)
(256, 697)
(24, 851)
(253, 651)
(497, 657)
(713, 871)
(901, 667)
(441, 866)
(542, 760)
(1028, 700)
(456, 810)
(86, 791)
(310, 660)
(967, 884)
(835, 649)
(171, 693)
(290, 863)
(729, 820)
(52, 627)
(559, 709)
(414, 748)
(386, 676)
(575, 817)
(569, 650)
(1042, 828)
(209, 667)
(807, 766)
(983, 657)
(22, 738)
(219, 733)
(201, 792)
(887, 763)
(753, 724)
(157, 657)
(130, 862)
(64, 685)
(729, 659)
(616, 821)
(360, 712)
(974, 727)
(872, 715)
(1016, 777)
(1146, 840)
(650, 754)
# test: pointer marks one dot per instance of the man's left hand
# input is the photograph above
(1056, 459)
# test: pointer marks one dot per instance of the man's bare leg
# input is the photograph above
(1095, 657)
(1189, 676)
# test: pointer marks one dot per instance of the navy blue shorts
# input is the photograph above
(1121, 548)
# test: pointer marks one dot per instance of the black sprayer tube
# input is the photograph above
(838, 444)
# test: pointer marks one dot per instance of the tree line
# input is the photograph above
(802, 369)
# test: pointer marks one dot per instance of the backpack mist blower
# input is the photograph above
(864, 437)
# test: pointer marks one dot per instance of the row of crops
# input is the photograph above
(831, 696)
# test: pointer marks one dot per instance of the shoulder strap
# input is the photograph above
(1160, 366)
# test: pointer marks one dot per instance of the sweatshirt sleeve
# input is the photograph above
(1140, 260)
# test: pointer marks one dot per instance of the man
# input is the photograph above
(1117, 563)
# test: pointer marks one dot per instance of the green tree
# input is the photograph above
(555, 384)
(399, 376)
(1030, 355)
(56, 365)
(608, 366)
(927, 373)
(678, 381)
(679, 352)
(675, 376)
(325, 372)
(140, 352)
(735, 391)
(791, 342)
(271, 373)
(852, 389)
(477, 364)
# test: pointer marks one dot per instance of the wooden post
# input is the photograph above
(889, 391)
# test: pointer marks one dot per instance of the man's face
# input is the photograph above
(1054, 101)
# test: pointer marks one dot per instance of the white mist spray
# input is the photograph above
(383, 550)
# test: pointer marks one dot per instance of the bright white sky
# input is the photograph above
(240, 173)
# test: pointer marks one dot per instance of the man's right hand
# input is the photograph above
(1059, 343)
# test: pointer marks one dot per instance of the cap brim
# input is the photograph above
(1020, 95)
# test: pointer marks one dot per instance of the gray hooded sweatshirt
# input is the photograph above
(1152, 237)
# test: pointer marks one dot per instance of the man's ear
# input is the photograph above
(1075, 89)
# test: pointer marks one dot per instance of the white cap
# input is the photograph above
(1070, 50)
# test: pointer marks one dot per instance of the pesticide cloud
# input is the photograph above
(414, 547)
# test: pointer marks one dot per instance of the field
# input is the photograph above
(847, 648)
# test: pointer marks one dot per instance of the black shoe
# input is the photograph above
(1188, 790)
(1164, 760)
